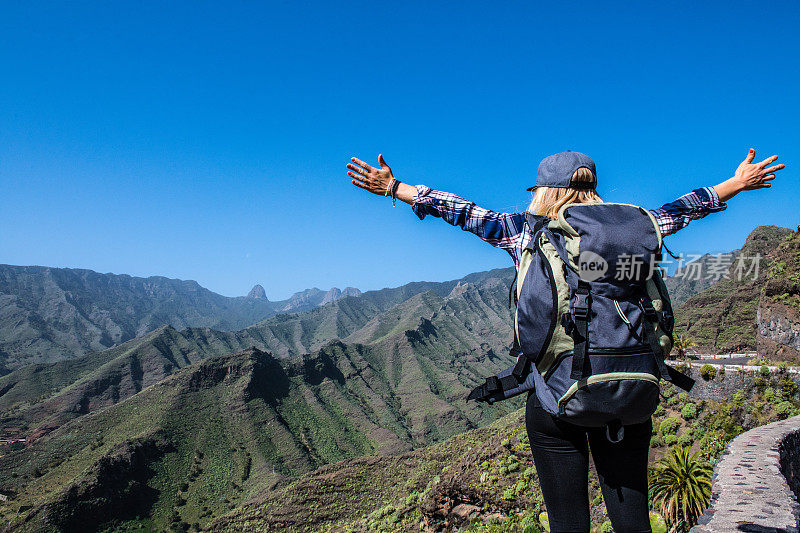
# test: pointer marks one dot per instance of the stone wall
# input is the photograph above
(723, 387)
(778, 331)
(789, 450)
(756, 482)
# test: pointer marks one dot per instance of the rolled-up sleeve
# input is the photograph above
(676, 215)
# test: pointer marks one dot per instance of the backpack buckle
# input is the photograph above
(580, 308)
(521, 368)
(493, 385)
(650, 312)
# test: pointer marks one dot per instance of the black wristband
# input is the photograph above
(393, 190)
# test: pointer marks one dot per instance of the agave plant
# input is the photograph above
(681, 343)
(680, 485)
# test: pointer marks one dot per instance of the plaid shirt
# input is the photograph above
(510, 232)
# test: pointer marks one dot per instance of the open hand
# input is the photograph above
(375, 180)
(751, 176)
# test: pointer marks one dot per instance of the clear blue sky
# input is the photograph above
(207, 141)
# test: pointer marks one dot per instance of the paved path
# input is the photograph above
(749, 491)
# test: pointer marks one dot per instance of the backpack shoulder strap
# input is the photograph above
(580, 315)
(535, 223)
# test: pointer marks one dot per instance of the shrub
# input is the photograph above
(764, 370)
(769, 395)
(606, 527)
(529, 524)
(739, 397)
(708, 372)
(682, 367)
(689, 411)
(782, 367)
(674, 400)
(669, 426)
(784, 409)
(656, 441)
(788, 388)
(698, 431)
(670, 439)
(711, 445)
(684, 440)
(660, 411)
(683, 396)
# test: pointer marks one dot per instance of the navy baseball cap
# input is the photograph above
(556, 171)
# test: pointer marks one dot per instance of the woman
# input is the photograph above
(560, 449)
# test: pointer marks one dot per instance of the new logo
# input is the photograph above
(591, 266)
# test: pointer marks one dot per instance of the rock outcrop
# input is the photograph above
(257, 293)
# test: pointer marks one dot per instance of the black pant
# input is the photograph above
(561, 455)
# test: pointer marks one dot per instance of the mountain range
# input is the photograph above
(51, 314)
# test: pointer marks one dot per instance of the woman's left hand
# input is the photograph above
(756, 176)
(749, 176)
(375, 180)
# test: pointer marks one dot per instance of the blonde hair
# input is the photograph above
(548, 200)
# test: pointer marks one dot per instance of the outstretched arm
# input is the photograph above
(503, 230)
(676, 215)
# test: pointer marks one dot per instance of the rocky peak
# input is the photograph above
(258, 293)
(331, 296)
(460, 288)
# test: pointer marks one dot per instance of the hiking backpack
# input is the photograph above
(593, 321)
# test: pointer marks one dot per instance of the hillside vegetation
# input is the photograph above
(779, 307)
(227, 426)
(484, 480)
(722, 317)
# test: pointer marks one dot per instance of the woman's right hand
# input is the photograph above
(375, 180)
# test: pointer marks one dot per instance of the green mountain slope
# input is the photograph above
(39, 398)
(722, 318)
(221, 427)
(778, 315)
(434, 489)
(205, 438)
